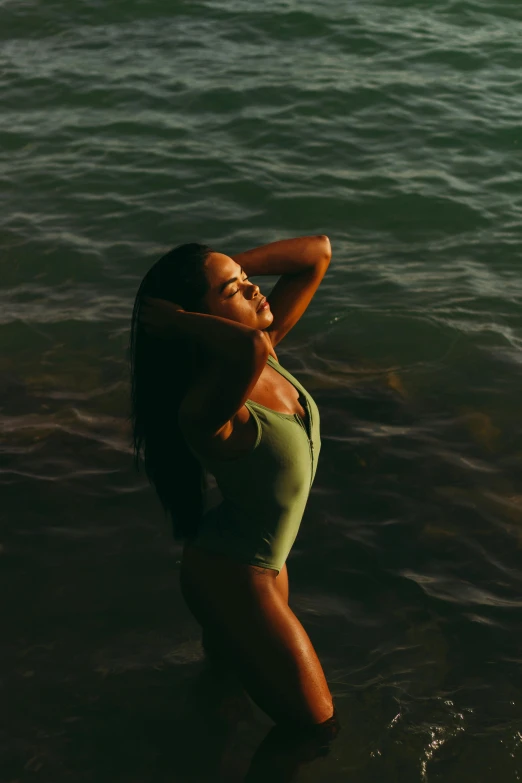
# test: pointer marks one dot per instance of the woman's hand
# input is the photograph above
(158, 317)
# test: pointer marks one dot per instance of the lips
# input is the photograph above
(261, 303)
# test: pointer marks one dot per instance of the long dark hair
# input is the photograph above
(160, 373)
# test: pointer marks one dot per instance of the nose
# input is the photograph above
(254, 290)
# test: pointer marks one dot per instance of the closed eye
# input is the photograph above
(236, 292)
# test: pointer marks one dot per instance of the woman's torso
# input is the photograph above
(264, 469)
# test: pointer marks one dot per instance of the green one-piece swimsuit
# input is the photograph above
(266, 490)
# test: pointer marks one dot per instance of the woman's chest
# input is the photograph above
(274, 391)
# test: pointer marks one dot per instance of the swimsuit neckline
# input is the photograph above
(292, 416)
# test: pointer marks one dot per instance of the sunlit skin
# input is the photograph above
(239, 300)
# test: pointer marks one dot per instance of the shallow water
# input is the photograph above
(395, 129)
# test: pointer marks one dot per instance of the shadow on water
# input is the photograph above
(405, 574)
(184, 724)
(106, 681)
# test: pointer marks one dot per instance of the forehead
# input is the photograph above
(219, 268)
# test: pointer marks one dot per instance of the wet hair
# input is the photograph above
(161, 371)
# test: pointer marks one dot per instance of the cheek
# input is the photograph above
(218, 308)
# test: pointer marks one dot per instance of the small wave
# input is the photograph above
(458, 591)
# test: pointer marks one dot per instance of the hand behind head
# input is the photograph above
(158, 316)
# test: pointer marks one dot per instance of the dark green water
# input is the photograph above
(393, 127)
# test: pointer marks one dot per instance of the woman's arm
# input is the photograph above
(286, 256)
(168, 321)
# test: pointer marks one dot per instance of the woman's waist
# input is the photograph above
(262, 519)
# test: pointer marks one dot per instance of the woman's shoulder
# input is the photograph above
(236, 439)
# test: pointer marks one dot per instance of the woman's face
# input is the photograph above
(231, 294)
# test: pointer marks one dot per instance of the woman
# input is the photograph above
(209, 394)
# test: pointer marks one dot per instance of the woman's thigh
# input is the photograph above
(261, 637)
(212, 640)
(277, 663)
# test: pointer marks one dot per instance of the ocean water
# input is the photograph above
(394, 128)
